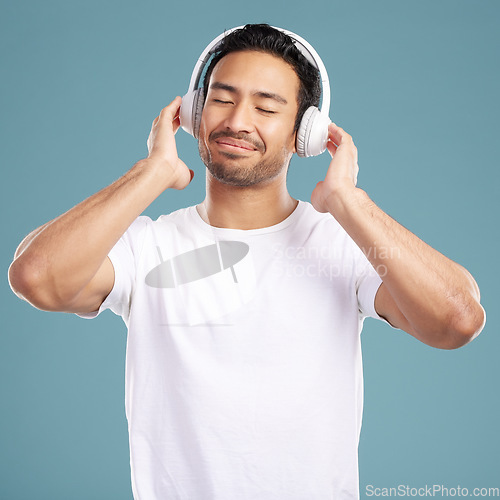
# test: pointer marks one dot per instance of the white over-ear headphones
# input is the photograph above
(312, 134)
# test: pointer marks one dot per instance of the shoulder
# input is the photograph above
(179, 216)
(324, 223)
(144, 222)
(323, 229)
(310, 215)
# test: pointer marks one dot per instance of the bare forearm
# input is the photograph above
(63, 255)
(62, 265)
(435, 294)
(423, 292)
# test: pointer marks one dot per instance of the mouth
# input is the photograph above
(235, 145)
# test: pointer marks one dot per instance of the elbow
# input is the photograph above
(470, 323)
(21, 281)
(24, 280)
(453, 327)
(463, 326)
(28, 282)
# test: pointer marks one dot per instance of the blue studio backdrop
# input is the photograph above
(416, 85)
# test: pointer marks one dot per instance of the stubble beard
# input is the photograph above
(243, 173)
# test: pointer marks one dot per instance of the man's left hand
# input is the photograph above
(342, 173)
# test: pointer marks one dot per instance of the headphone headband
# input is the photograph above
(312, 134)
(304, 47)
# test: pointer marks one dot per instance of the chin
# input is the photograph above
(235, 176)
(239, 170)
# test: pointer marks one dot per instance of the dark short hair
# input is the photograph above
(265, 38)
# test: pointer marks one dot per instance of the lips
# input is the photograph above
(235, 144)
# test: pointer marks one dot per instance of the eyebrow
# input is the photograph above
(258, 93)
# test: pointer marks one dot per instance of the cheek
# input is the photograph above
(283, 135)
(203, 125)
(205, 129)
(209, 123)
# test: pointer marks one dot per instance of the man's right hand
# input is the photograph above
(162, 147)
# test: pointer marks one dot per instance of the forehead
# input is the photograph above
(257, 71)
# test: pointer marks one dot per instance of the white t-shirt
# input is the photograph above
(243, 371)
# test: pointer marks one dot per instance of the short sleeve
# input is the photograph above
(123, 258)
(367, 284)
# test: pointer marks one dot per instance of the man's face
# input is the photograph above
(246, 131)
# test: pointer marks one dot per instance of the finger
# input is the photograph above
(165, 123)
(337, 134)
(173, 107)
(176, 124)
(332, 148)
(169, 112)
(155, 121)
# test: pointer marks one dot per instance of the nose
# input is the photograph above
(239, 118)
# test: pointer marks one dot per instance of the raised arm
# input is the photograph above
(63, 265)
(423, 292)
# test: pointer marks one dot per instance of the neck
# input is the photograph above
(252, 207)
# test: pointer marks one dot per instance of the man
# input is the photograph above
(243, 374)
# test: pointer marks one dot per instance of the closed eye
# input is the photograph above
(220, 101)
(268, 111)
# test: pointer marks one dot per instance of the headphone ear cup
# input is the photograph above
(304, 131)
(197, 111)
(191, 110)
(312, 135)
